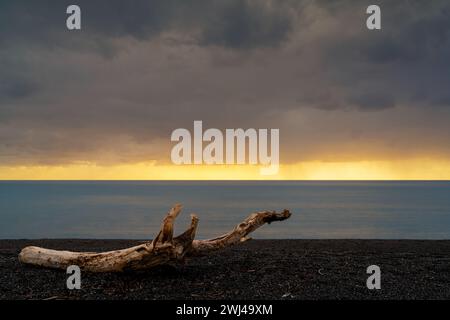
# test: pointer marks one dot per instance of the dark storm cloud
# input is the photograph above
(406, 57)
(232, 23)
(137, 70)
(243, 25)
(16, 89)
(373, 100)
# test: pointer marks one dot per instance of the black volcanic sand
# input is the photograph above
(258, 269)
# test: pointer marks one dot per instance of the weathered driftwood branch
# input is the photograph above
(164, 249)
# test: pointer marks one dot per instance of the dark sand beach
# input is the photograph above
(258, 269)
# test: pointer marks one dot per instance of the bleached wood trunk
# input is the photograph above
(164, 249)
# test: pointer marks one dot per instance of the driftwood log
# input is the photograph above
(164, 249)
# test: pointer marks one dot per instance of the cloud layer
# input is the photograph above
(114, 91)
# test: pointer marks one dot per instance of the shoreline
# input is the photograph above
(256, 270)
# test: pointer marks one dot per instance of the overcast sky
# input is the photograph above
(114, 91)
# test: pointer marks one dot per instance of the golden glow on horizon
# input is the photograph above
(417, 169)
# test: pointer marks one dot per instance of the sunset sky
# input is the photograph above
(101, 102)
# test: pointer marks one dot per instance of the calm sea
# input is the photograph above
(134, 210)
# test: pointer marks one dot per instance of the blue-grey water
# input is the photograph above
(134, 210)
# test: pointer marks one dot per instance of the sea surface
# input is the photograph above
(134, 209)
